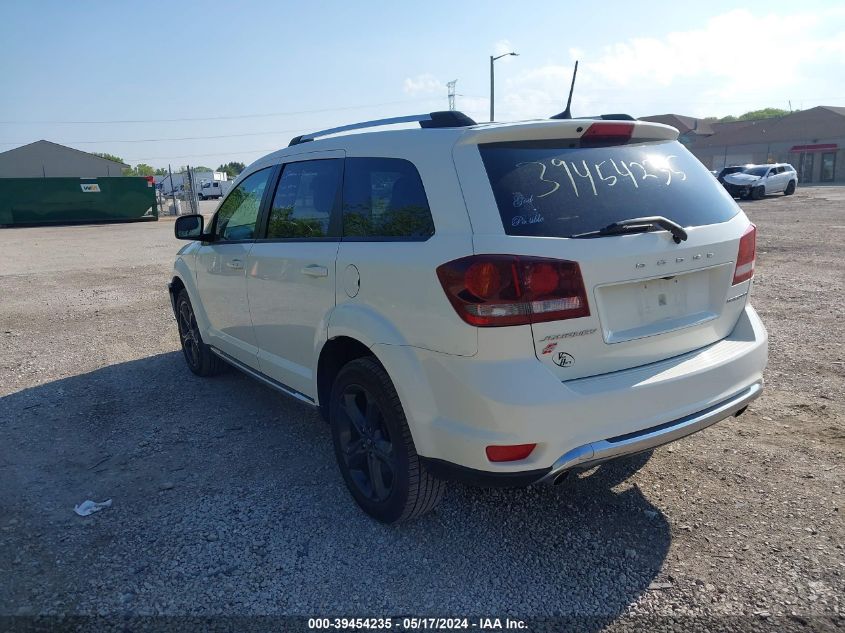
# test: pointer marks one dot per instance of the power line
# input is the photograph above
(155, 140)
(222, 118)
(219, 153)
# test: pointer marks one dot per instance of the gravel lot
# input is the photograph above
(227, 500)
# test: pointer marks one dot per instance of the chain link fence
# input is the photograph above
(179, 193)
(191, 190)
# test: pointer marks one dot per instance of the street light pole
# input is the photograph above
(493, 80)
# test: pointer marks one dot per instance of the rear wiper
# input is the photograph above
(639, 225)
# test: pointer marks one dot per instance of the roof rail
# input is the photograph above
(445, 118)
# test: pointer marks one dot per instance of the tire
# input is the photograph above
(790, 188)
(374, 448)
(758, 193)
(201, 360)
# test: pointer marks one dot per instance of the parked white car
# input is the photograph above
(756, 181)
(500, 303)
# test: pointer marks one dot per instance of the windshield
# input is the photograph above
(757, 171)
(546, 189)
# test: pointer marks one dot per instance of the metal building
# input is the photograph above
(44, 159)
(812, 140)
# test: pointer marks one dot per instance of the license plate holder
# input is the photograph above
(648, 307)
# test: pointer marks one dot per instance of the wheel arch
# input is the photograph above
(175, 286)
(351, 331)
(363, 328)
(334, 354)
(405, 371)
(183, 277)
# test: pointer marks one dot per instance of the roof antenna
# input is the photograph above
(566, 114)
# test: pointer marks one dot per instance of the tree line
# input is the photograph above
(753, 115)
(232, 168)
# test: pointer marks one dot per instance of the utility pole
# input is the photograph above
(450, 85)
(194, 204)
(172, 191)
(493, 79)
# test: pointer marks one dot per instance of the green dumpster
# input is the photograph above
(31, 201)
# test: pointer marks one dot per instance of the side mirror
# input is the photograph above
(189, 227)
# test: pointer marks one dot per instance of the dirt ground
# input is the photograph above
(227, 501)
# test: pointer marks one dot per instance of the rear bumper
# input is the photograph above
(589, 455)
(483, 478)
(457, 406)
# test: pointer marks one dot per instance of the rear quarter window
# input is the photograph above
(549, 189)
(384, 198)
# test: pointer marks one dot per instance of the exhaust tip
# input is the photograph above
(741, 411)
(560, 478)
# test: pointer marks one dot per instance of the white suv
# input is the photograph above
(757, 181)
(499, 303)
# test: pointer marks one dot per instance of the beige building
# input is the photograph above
(813, 141)
(43, 159)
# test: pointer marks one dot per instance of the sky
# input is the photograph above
(203, 83)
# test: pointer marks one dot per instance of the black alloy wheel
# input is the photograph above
(189, 334)
(365, 443)
(201, 360)
(374, 448)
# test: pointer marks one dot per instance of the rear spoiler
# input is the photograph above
(554, 129)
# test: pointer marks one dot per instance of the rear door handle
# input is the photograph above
(235, 264)
(315, 270)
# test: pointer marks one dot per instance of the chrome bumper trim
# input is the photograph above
(594, 453)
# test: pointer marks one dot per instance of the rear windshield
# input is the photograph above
(546, 189)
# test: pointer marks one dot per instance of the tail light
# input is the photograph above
(746, 256)
(510, 453)
(603, 134)
(497, 290)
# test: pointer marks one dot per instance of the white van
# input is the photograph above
(214, 189)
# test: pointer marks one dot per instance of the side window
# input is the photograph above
(305, 198)
(384, 197)
(238, 214)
